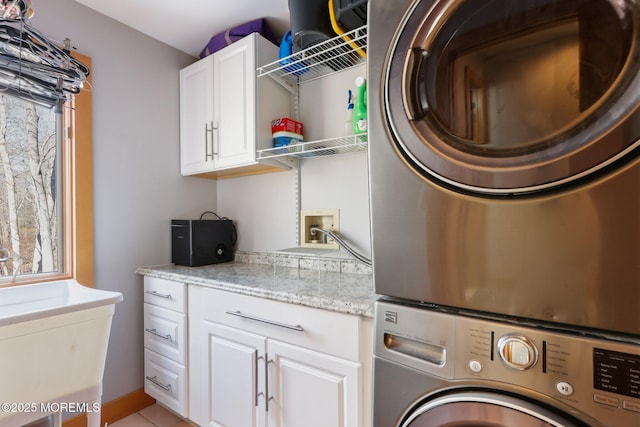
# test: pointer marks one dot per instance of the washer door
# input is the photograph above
(484, 409)
(514, 96)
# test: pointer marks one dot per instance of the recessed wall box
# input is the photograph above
(326, 219)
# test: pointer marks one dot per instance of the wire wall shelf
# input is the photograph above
(321, 147)
(323, 59)
(331, 56)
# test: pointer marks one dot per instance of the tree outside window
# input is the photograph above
(30, 198)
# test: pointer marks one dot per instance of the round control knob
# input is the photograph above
(517, 351)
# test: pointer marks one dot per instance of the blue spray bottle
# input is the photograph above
(348, 123)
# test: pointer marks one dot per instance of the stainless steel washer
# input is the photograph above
(436, 367)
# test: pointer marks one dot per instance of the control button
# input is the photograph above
(475, 366)
(631, 406)
(606, 400)
(564, 388)
(517, 351)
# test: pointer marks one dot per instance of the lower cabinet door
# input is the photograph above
(311, 389)
(166, 381)
(235, 372)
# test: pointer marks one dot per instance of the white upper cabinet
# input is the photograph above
(235, 104)
(223, 121)
(196, 117)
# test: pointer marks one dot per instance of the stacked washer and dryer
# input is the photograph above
(504, 144)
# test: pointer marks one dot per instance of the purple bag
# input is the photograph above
(221, 40)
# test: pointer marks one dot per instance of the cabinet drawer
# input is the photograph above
(326, 331)
(166, 381)
(165, 332)
(165, 293)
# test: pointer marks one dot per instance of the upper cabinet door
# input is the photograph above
(196, 117)
(234, 71)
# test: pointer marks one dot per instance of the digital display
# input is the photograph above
(616, 372)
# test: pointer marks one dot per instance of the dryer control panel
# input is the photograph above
(597, 376)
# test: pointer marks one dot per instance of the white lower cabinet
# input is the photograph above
(165, 342)
(311, 389)
(256, 362)
(234, 375)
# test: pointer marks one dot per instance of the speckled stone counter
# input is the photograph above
(349, 293)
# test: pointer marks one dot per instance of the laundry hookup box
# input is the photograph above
(286, 132)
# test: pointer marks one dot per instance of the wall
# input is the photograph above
(264, 206)
(136, 171)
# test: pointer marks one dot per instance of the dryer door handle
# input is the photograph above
(415, 87)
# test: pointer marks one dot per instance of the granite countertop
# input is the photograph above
(349, 293)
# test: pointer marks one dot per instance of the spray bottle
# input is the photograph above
(348, 123)
(360, 107)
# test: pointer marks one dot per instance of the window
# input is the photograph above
(46, 218)
(29, 150)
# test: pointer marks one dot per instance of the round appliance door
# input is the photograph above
(485, 409)
(514, 96)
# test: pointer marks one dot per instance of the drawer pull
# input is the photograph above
(156, 294)
(238, 313)
(158, 383)
(158, 334)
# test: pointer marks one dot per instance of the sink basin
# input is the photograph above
(53, 346)
(29, 302)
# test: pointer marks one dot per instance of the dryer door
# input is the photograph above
(503, 96)
(485, 409)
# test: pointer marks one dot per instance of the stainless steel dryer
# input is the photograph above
(504, 140)
(435, 368)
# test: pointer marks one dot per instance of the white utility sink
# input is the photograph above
(53, 345)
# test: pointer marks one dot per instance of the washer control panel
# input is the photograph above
(597, 376)
(616, 372)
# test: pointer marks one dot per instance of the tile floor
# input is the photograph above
(152, 416)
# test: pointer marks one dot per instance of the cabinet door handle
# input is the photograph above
(158, 383)
(215, 142)
(238, 313)
(208, 131)
(266, 381)
(206, 142)
(156, 294)
(158, 334)
(256, 359)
